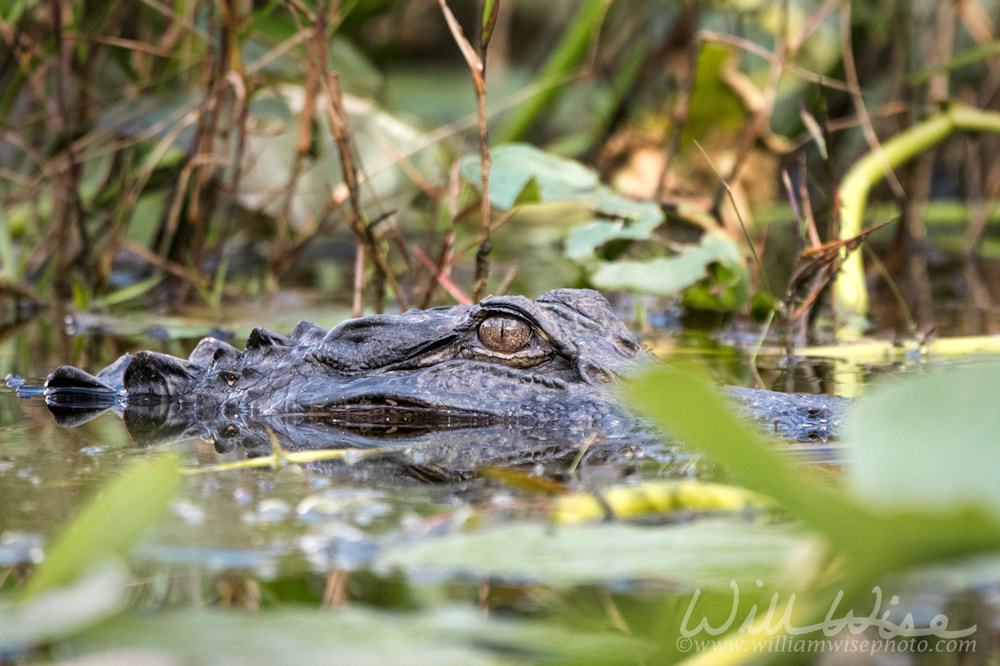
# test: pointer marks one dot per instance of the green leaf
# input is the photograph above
(63, 611)
(727, 289)
(929, 442)
(814, 130)
(875, 538)
(514, 164)
(109, 524)
(568, 53)
(125, 294)
(491, 8)
(13, 11)
(706, 554)
(637, 221)
(716, 111)
(530, 194)
(981, 52)
(669, 275)
(560, 180)
(354, 635)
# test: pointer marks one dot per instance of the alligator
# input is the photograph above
(554, 361)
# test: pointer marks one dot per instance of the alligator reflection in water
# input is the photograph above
(433, 450)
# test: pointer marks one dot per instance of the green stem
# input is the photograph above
(850, 289)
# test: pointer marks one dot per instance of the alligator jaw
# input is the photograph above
(457, 391)
(386, 412)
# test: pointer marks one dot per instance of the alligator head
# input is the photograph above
(508, 358)
(550, 363)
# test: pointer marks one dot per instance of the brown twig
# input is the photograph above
(439, 268)
(477, 68)
(303, 147)
(130, 44)
(167, 266)
(791, 68)
(816, 267)
(440, 276)
(239, 122)
(340, 126)
(357, 302)
(508, 279)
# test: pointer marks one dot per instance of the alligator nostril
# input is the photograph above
(593, 374)
(627, 344)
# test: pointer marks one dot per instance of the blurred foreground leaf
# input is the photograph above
(706, 554)
(64, 611)
(874, 535)
(930, 442)
(109, 524)
(355, 636)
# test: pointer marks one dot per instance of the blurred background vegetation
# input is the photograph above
(194, 151)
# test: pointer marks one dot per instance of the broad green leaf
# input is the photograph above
(63, 611)
(515, 164)
(636, 221)
(931, 442)
(558, 179)
(875, 537)
(668, 275)
(706, 554)
(689, 406)
(109, 524)
(353, 635)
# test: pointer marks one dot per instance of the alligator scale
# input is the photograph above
(554, 360)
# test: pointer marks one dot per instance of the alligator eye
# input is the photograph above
(504, 334)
